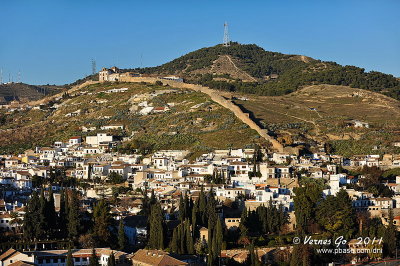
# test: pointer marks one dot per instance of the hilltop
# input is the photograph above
(249, 68)
(24, 92)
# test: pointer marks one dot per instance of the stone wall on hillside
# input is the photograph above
(215, 96)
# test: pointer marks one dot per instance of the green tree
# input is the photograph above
(156, 238)
(189, 238)
(111, 260)
(62, 215)
(122, 242)
(306, 200)
(73, 216)
(94, 260)
(51, 215)
(70, 260)
(337, 215)
(174, 245)
(102, 222)
(389, 238)
(31, 217)
(42, 222)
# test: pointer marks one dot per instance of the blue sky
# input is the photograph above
(53, 41)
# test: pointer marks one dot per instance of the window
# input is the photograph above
(62, 260)
(77, 259)
(40, 261)
(84, 259)
(48, 260)
(55, 260)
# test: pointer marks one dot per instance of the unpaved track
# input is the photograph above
(216, 96)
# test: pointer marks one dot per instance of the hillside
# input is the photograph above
(325, 114)
(24, 92)
(250, 69)
(180, 119)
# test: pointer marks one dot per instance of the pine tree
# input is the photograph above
(111, 260)
(73, 216)
(156, 239)
(93, 260)
(122, 242)
(70, 261)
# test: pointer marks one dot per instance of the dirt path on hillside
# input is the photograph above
(239, 70)
(73, 89)
(217, 97)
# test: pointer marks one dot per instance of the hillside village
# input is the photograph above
(240, 182)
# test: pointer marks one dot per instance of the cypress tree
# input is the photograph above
(122, 242)
(186, 206)
(111, 260)
(174, 241)
(70, 261)
(42, 226)
(153, 198)
(93, 260)
(73, 216)
(102, 221)
(189, 238)
(182, 210)
(62, 215)
(202, 207)
(180, 248)
(243, 223)
(389, 238)
(31, 217)
(51, 216)
(218, 238)
(195, 210)
(156, 239)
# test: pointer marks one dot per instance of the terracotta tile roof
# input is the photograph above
(21, 263)
(7, 254)
(155, 257)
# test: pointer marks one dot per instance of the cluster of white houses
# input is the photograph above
(169, 174)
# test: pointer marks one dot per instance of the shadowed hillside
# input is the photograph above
(25, 92)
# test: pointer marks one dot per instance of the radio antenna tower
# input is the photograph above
(227, 42)
(19, 76)
(93, 67)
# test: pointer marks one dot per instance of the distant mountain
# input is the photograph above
(249, 68)
(24, 92)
